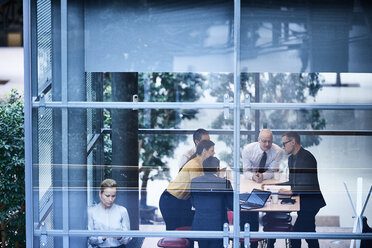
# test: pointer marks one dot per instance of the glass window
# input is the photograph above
(119, 88)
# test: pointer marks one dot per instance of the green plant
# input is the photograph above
(12, 163)
(163, 87)
(273, 88)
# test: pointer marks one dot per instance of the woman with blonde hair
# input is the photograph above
(107, 216)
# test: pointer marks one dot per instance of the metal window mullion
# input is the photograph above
(64, 66)
(133, 233)
(309, 106)
(132, 105)
(236, 150)
(210, 234)
(192, 105)
(28, 122)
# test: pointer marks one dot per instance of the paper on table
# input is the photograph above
(276, 188)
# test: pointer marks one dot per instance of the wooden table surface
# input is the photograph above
(247, 185)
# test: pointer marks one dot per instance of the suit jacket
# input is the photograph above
(303, 178)
(211, 196)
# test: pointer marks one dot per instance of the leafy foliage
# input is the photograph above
(154, 148)
(163, 87)
(274, 88)
(12, 163)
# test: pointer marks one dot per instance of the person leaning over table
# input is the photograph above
(260, 160)
(174, 203)
(211, 197)
(303, 179)
(107, 216)
(199, 135)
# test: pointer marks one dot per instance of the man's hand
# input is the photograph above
(285, 192)
(257, 177)
(265, 184)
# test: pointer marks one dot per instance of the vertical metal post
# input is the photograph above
(28, 117)
(124, 139)
(57, 175)
(35, 118)
(98, 169)
(257, 99)
(358, 224)
(74, 121)
(247, 237)
(237, 10)
(64, 97)
(225, 235)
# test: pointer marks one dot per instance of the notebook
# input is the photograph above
(256, 199)
(276, 188)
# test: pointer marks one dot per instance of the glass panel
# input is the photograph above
(315, 36)
(182, 52)
(181, 36)
(159, 87)
(44, 43)
(330, 88)
(99, 146)
(341, 156)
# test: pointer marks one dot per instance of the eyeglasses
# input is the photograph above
(266, 141)
(284, 143)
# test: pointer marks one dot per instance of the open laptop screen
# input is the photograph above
(258, 197)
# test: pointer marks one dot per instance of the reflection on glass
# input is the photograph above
(314, 36)
(181, 36)
(159, 87)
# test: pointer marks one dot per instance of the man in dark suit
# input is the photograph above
(211, 197)
(303, 178)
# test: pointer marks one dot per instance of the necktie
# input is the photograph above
(262, 168)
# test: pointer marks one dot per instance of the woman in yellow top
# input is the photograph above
(175, 204)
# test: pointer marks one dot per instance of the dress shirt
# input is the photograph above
(252, 154)
(115, 218)
(180, 186)
(186, 156)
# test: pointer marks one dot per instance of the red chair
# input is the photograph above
(175, 242)
(230, 217)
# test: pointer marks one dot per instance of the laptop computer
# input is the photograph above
(256, 199)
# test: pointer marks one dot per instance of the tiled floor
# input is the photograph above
(152, 242)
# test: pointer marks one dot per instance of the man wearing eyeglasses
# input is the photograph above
(260, 160)
(303, 178)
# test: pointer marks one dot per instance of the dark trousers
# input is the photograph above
(305, 223)
(175, 212)
(250, 217)
(210, 243)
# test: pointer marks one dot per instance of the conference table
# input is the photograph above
(246, 186)
(270, 209)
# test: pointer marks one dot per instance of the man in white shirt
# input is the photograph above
(261, 159)
(199, 135)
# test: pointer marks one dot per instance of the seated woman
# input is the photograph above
(211, 197)
(175, 205)
(107, 216)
